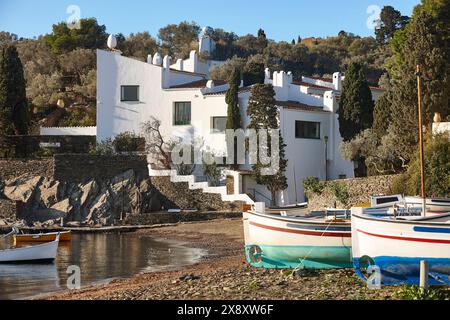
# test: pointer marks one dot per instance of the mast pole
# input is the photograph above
(421, 143)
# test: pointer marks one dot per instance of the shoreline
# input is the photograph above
(223, 274)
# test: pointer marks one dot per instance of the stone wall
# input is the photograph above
(169, 218)
(81, 167)
(7, 210)
(360, 190)
(27, 146)
(179, 196)
(14, 168)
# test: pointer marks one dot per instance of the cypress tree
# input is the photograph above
(234, 113)
(356, 107)
(14, 118)
(232, 100)
(263, 115)
(382, 115)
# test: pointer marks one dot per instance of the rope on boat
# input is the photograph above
(300, 265)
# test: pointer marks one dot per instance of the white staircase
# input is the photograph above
(204, 186)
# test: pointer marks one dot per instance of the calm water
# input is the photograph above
(101, 257)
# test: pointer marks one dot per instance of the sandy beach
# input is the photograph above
(224, 274)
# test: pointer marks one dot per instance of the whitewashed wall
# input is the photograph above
(306, 156)
(69, 131)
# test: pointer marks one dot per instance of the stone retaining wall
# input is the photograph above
(14, 168)
(80, 167)
(27, 146)
(179, 196)
(7, 210)
(167, 218)
(360, 190)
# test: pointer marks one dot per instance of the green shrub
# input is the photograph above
(418, 293)
(437, 170)
(78, 117)
(340, 192)
(213, 173)
(104, 148)
(126, 142)
(399, 185)
(313, 185)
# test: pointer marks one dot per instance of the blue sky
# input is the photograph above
(281, 19)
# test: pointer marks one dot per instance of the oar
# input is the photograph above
(13, 231)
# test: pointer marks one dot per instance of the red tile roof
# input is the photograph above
(187, 72)
(241, 90)
(321, 79)
(294, 105)
(310, 85)
(200, 84)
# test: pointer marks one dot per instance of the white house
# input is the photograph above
(179, 94)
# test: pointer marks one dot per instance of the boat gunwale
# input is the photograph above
(42, 234)
(32, 246)
(299, 220)
(422, 221)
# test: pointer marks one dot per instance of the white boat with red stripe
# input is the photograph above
(395, 245)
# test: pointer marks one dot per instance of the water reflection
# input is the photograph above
(100, 257)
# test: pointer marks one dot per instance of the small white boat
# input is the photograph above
(316, 241)
(395, 245)
(43, 253)
(434, 206)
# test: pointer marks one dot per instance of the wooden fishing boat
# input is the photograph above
(315, 241)
(434, 206)
(43, 253)
(395, 246)
(43, 237)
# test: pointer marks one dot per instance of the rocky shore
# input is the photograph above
(224, 274)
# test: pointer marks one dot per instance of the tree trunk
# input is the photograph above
(274, 198)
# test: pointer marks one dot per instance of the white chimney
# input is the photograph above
(112, 42)
(157, 59)
(166, 62)
(210, 84)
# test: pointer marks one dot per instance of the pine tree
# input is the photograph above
(391, 20)
(14, 117)
(253, 73)
(356, 107)
(263, 115)
(422, 46)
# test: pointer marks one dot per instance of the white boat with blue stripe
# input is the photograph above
(395, 245)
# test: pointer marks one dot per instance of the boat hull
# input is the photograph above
(395, 248)
(44, 253)
(43, 237)
(285, 243)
